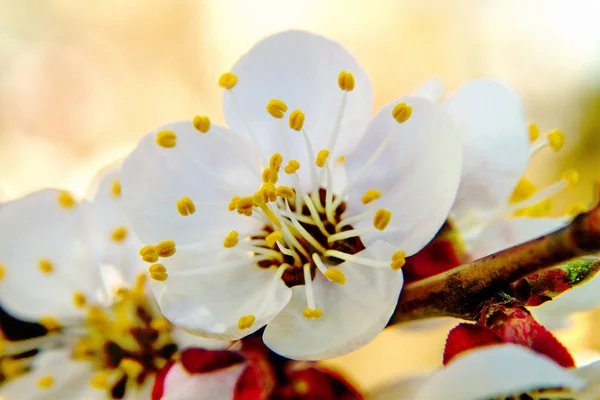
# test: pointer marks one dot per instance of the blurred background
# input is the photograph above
(81, 82)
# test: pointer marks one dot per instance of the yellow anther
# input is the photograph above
(97, 317)
(538, 210)
(370, 195)
(232, 203)
(273, 237)
(276, 108)
(322, 158)
(286, 192)
(296, 120)
(269, 191)
(398, 260)
(157, 268)
(524, 190)
(82, 349)
(571, 176)
(275, 162)
(292, 166)
(115, 188)
(246, 322)
(258, 199)
(131, 367)
(201, 123)
(576, 209)
(79, 299)
(140, 284)
(159, 276)
(231, 240)
(245, 203)
(46, 381)
(2, 272)
(119, 234)
(346, 81)
(186, 206)
(65, 200)
(165, 248)
(45, 266)
(11, 368)
(335, 275)
(402, 112)
(382, 219)
(340, 160)
(50, 323)
(228, 80)
(166, 139)
(270, 175)
(556, 139)
(312, 313)
(100, 380)
(149, 254)
(161, 324)
(534, 132)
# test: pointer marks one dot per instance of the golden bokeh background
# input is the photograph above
(82, 81)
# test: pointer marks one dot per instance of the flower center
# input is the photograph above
(126, 344)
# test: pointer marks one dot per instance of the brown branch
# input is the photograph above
(460, 291)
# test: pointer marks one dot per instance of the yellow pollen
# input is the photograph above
(46, 382)
(45, 266)
(269, 191)
(11, 368)
(335, 275)
(97, 317)
(538, 210)
(149, 254)
(245, 203)
(158, 272)
(115, 188)
(340, 160)
(556, 139)
(166, 139)
(382, 219)
(312, 313)
(232, 203)
(2, 272)
(100, 380)
(292, 166)
(273, 237)
(228, 80)
(201, 123)
(131, 367)
(275, 162)
(269, 175)
(231, 240)
(534, 132)
(370, 195)
(185, 206)
(246, 322)
(398, 260)
(571, 176)
(50, 323)
(161, 324)
(82, 349)
(296, 120)
(258, 199)
(157, 268)
(79, 299)
(166, 248)
(286, 192)
(301, 386)
(322, 158)
(524, 190)
(576, 209)
(402, 112)
(65, 200)
(276, 108)
(119, 234)
(346, 81)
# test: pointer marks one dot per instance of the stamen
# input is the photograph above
(231, 240)
(398, 260)
(273, 237)
(313, 171)
(312, 311)
(119, 234)
(46, 382)
(370, 195)
(382, 219)
(291, 239)
(523, 191)
(539, 210)
(131, 367)
(311, 206)
(166, 248)
(329, 197)
(149, 254)
(346, 81)
(246, 322)
(356, 259)
(50, 323)
(357, 218)
(348, 234)
(185, 206)
(115, 188)
(576, 209)
(269, 175)
(45, 266)
(65, 200)
(79, 299)
(166, 139)
(534, 132)
(201, 123)
(233, 203)
(296, 120)
(322, 158)
(313, 242)
(259, 201)
(275, 162)
(228, 80)
(556, 139)
(244, 204)
(100, 380)
(291, 167)
(276, 108)
(571, 176)
(158, 272)
(402, 112)
(333, 274)
(290, 253)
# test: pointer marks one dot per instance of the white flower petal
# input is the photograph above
(37, 228)
(70, 379)
(106, 217)
(353, 314)
(496, 371)
(490, 117)
(432, 89)
(185, 340)
(417, 174)
(210, 304)
(302, 70)
(181, 385)
(206, 168)
(505, 233)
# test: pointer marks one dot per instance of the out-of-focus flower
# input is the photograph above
(250, 373)
(499, 371)
(105, 338)
(269, 228)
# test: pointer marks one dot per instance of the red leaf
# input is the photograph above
(196, 360)
(464, 337)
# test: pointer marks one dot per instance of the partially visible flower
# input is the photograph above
(266, 228)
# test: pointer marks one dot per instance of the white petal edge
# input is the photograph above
(433, 89)
(181, 385)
